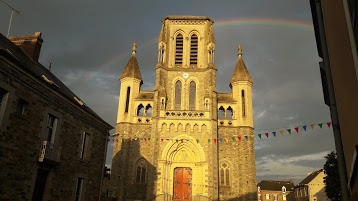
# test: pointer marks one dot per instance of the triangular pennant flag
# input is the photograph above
(329, 124)
(281, 132)
(274, 134)
(113, 139)
(209, 140)
(289, 131)
(233, 139)
(304, 127)
(239, 138)
(320, 125)
(266, 135)
(157, 139)
(167, 139)
(176, 140)
(214, 140)
(162, 140)
(187, 140)
(247, 137)
(312, 126)
(227, 140)
(145, 139)
(259, 136)
(221, 140)
(296, 129)
(182, 140)
(197, 140)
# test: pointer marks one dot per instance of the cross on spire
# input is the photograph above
(134, 48)
(239, 51)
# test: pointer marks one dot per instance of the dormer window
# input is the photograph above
(258, 189)
(283, 189)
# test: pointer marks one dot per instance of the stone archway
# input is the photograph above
(182, 152)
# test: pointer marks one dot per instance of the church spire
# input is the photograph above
(132, 69)
(240, 73)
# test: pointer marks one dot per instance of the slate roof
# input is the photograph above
(14, 54)
(145, 95)
(240, 73)
(275, 185)
(132, 69)
(225, 98)
(310, 177)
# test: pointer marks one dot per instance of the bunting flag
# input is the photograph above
(320, 125)
(296, 129)
(220, 140)
(304, 127)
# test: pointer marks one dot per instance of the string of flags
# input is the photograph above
(237, 138)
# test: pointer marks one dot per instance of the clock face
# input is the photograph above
(186, 75)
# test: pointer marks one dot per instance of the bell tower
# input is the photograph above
(184, 140)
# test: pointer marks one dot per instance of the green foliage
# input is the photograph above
(333, 185)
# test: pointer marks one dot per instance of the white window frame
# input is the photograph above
(81, 182)
(267, 196)
(84, 152)
(53, 127)
(283, 197)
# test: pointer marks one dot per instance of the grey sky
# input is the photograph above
(90, 42)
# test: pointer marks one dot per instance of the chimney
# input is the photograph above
(31, 45)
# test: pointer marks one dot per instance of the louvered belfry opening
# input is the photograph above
(194, 50)
(192, 95)
(179, 44)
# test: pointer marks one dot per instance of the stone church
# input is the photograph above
(184, 140)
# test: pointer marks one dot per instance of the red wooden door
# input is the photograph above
(182, 183)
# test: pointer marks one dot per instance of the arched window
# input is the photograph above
(224, 174)
(141, 170)
(283, 189)
(243, 103)
(140, 110)
(179, 44)
(229, 113)
(127, 98)
(221, 113)
(177, 104)
(192, 95)
(148, 110)
(194, 49)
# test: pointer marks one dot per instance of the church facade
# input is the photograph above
(184, 140)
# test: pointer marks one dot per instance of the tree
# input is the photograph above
(333, 184)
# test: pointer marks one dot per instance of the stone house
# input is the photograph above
(53, 146)
(275, 190)
(312, 187)
(184, 140)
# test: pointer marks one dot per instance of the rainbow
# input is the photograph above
(296, 24)
(242, 22)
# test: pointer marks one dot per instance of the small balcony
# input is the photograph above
(50, 152)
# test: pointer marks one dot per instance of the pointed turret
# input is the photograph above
(240, 73)
(132, 69)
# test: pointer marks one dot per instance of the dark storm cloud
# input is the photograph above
(90, 43)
